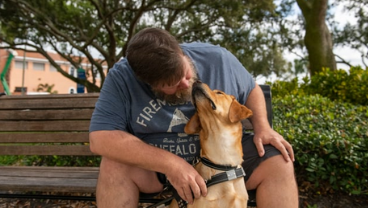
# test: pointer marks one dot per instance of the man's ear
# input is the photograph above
(193, 126)
(238, 112)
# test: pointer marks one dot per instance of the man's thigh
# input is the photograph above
(251, 157)
(144, 180)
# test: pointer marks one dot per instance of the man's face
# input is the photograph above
(181, 91)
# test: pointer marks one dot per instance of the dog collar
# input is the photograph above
(210, 164)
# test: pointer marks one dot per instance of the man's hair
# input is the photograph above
(156, 57)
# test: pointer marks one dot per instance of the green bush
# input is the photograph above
(91, 161)
(337, 85)
(340, 85)
(78, 161)
(293, 87)
(330, 140)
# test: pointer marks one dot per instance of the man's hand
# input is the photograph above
(187, 181)
(275, 139)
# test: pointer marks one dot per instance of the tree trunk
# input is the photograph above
(317, 38)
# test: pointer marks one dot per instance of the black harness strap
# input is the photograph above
(210, 164)
(226, 176)
(231, 173)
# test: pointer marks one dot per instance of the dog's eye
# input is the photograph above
(219, 93)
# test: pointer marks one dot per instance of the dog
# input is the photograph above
(218, 121)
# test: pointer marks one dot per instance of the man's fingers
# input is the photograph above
(281, 147)
(290, 151)
(196, 190)
(259, 146)
(188, 196)
(202, 186)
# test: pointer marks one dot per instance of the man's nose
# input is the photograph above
(184, 84)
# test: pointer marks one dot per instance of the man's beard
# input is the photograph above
(180, 96)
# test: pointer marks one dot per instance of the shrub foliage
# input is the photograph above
(330, 140)
(338, 85)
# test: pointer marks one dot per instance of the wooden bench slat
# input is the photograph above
(78, 150)
(51, 96)
(62, 125)
(47, 184)
(49, 168)
(50, 172)
(41, 137)
(247, 124)
(46, 102)
(69, 114)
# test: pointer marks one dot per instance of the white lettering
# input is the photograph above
(178, 151)
(166, 140)
(180, 140)
(141, 122)
(154, 106)
(148, 111)
(145, 117)
(192, 149)
(161, 102)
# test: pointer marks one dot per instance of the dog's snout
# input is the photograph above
(197, 83)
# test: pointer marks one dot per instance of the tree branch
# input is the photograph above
(342, 61)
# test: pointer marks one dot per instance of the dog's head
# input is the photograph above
(214, 108)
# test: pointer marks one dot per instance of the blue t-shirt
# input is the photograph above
(127, 104)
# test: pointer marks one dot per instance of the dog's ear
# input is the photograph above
(193, 126)
(238, 112)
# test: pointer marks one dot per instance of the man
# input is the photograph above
(138, 124)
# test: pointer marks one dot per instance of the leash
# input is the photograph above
(231, 173)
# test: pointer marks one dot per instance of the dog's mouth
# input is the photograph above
(198, 91)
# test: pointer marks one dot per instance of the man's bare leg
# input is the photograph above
(275, 182)
(119, 185)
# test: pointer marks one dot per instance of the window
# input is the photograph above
(52, 68)
(72, 71)
(72, 90)
(39, 66)
(19, 65)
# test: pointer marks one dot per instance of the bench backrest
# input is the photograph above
(39, 124)
(56, 124)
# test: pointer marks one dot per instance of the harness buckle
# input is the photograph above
(243, 172)
(231, 174)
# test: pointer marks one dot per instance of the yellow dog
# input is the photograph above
(218, 122)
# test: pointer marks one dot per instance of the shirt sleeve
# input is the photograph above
(243, 80)
(112, 107)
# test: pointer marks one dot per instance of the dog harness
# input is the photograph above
(231, 173)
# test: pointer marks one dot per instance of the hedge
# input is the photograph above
(330, 141)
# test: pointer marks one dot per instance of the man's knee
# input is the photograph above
(275, 169)
(128, 176)
(280, 168)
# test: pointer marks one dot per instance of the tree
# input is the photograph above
(84, 28)
(46, 88)
(317, 37)
(355, 35)
(257, 49)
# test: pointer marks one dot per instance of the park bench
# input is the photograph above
(55, 125)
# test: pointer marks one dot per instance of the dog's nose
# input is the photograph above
(196, 83)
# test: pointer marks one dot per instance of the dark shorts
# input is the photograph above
(251, 157)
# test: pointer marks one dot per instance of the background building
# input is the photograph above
(30, 71)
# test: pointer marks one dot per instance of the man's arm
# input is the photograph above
(128, 149)
(263, 133)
